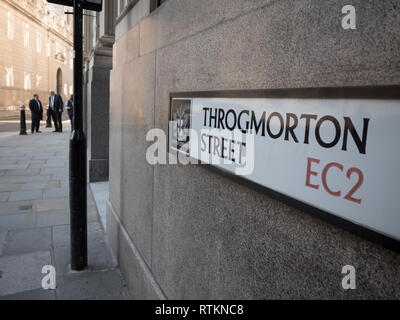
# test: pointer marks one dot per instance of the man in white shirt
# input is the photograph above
(56, 108)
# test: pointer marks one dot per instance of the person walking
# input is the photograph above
(56, 110)
(70, 109)
(36, 112)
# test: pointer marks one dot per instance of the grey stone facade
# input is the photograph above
(98, 42)
(185, 232)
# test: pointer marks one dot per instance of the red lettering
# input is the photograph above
(353, 190)
(350, 195)
(325, 172)
(311, 173)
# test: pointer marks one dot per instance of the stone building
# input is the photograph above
(187, 232)
(98, 42)
(99, 37)
(36, 52)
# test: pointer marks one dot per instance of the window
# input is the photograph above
(26, 34)
(71, 60)
(154, 4)
(121, 5)
(10, 25)
(38, 78)
(10, 77)
(27, 81)
(38, 41)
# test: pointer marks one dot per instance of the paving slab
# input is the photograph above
(16, 207)
(52, 184)
(23, 172)
(53, 218)
(18, 221)
(99, 257)
(101, 285)
(39, 239)
(45, 166)
(22, 272)
(28, 162)
(5, 187)
(33, 185)
(51, 204)
(25, 179)
(3, 235)
(100, 191)
(58, 162)
(55, 171)
(92, 214)
(38, 294)
(43, 156)
(56, 193)
(3, 161)
(26, 195)
(4, 196)
(12, 166)
(61, 234)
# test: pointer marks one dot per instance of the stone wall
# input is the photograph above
(187, 232)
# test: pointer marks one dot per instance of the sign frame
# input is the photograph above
(387, 92)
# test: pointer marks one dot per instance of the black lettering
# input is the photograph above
(290, 128)
(213, 117)
(308, 118)
(247, 122)
(361, 144)
(221, 115)
(205, 115)
(275, 136)
(260, 124)
(337, 133)
(230, 111)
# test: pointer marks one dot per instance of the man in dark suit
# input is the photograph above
(56, 109)
(36, 112)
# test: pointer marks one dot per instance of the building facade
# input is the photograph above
(36, 53)
(186, 232)
(98, 41)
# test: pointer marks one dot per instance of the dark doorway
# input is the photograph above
(59, 81)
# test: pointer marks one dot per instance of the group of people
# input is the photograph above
(55, 109)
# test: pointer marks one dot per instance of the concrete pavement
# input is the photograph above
(34, 224)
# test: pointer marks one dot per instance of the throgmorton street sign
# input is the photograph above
(336, 150)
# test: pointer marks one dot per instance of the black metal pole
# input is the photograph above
(77, 157)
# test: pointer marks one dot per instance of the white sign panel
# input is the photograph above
(338, 155)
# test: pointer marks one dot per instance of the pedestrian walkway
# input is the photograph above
(34, 224)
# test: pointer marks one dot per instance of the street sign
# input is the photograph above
(338, 155)
(94, 5)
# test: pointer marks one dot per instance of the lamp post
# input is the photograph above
(78, 158)
(77, 143)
